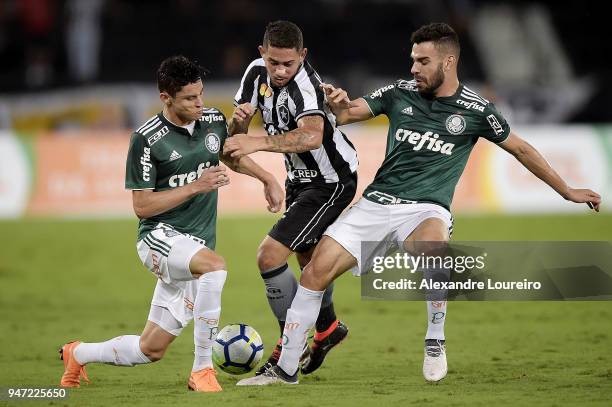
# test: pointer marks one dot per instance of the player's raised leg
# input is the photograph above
(430, 237)
(329, 260)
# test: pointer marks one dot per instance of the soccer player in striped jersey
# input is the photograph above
(321, 168)
(173, 172)
(434, 123)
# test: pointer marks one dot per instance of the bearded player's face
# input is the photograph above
(427, 67)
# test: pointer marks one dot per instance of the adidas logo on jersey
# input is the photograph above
(174, 156)
(429, 140)
(408, 111)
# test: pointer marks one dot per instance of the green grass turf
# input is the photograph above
(65, 280)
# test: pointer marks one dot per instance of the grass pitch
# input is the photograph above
(65, 280)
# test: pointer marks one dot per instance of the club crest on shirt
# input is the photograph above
(283, 115)
(455, 124)
(212, 142)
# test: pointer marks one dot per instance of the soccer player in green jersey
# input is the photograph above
(173, 171)
(434, 122)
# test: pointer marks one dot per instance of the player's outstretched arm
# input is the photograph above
(527, 155)
(241, 119)
(148, 203)
(308, 136)
(347, 111)
(273, 192)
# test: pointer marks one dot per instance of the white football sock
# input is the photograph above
(120, 351)
(206, 312)
(436, 316)
(301, 318)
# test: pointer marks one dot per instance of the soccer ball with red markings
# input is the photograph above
(237, 349)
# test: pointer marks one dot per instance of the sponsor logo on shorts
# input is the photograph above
(386, 199)
(428, 140)
(155, 266)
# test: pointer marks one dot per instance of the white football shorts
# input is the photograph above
(385, 226)
(167, 254)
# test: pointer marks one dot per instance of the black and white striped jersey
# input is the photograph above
(281, 108)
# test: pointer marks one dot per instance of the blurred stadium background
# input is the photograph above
(76, 76)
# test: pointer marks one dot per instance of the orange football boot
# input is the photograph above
(73, 371)
(204, 380)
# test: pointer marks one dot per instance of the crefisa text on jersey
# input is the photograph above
(418, 140)
(145, 160)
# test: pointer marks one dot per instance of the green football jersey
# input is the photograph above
(163, 156)
(429, 141)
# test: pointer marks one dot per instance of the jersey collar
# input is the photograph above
(178, 128)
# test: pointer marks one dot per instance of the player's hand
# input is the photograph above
(337, 98)
(591, 198)
(212, 178)
(240, 145)
(274, 195)
(243, 113)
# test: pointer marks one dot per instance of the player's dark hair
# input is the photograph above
(176, 72)
(441, 34)
(283, 34)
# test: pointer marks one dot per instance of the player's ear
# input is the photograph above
(449, 62)
(165, 98)
(262, 51)
(303, 53)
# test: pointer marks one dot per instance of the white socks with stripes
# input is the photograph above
(206, 313)
(120, 351)
(301, 318)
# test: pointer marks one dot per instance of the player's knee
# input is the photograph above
(217, 262)
(315, 277)
(267, 259)
(206, 261)
(152, 351)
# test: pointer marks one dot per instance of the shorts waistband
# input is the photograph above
(387, 199)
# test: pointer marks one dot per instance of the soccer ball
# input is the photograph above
(237, 349)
